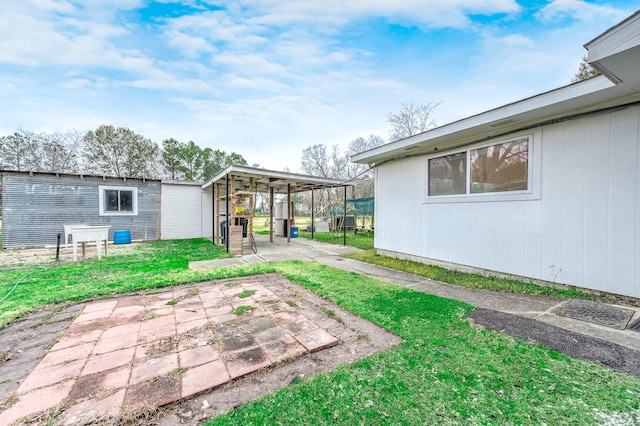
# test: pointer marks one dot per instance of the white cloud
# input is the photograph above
(220, 27)
(190, 46)
(250, 64)
(50, 5)
(255, 83)
(579, 10)
(435, 13)
(267, 78)
(41, 38)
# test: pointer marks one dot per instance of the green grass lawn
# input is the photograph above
(445, 372)
(148, 265)
(360, 240)
(261, 223)
(465, 279)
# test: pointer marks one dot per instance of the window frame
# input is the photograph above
(533, 174)
(102, 200)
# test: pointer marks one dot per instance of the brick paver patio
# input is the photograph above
(136, 352)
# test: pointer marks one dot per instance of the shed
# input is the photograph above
(546, 188)
(36, 206)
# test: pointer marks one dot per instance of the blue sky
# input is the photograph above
(268, 78)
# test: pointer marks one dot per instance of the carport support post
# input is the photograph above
(288, 213)
(312, 214)
(344, 218)
(271, 214)
(213, 212)
(226, 240)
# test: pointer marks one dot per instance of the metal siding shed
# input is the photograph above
(37, 205)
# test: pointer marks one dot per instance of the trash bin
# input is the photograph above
(223, 231)
(122, 237)
(294, 232)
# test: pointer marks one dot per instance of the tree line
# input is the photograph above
(112, 151)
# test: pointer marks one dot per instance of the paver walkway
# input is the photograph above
(126, 355)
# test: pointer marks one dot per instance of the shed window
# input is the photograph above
(118, 200)
(496, 168)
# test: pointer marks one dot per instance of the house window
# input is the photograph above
(448, 175)
(118, 200)
(496, 168)
(500, 168)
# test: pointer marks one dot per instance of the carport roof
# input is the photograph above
(264, 180)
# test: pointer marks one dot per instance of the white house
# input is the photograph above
(546, 188)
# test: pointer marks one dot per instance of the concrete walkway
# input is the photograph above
(538, 308)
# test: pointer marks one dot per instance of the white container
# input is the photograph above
(281, 210)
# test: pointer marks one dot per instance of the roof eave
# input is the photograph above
(507, 118)
(278, 178)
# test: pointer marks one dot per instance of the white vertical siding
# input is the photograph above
(623, 192)
(207, 214)
(596, 211)
(398, 212)
(584, 229)
(180, 211)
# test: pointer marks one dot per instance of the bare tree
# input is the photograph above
(121, 152)
(57, 152)
(315, 161)
(411, 120)
(19, 152)
(360, 172)
(61, 151)
(318, 161)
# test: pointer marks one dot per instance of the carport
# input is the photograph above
(234, 190)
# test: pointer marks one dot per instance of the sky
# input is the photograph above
(269, 78)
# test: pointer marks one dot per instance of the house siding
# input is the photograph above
(35, 207)
(583, 229)
(207, 214)
(181, 211)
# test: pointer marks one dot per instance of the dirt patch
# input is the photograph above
(28, 339)
(155, 393)
(46, 256)
(575, 345)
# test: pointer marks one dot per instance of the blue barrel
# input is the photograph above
(122, 237)
(293, 233)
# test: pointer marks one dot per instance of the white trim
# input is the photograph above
(533, 175)
(101, 200)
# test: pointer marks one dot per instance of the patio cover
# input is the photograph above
(264, 180)
(253, 179)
